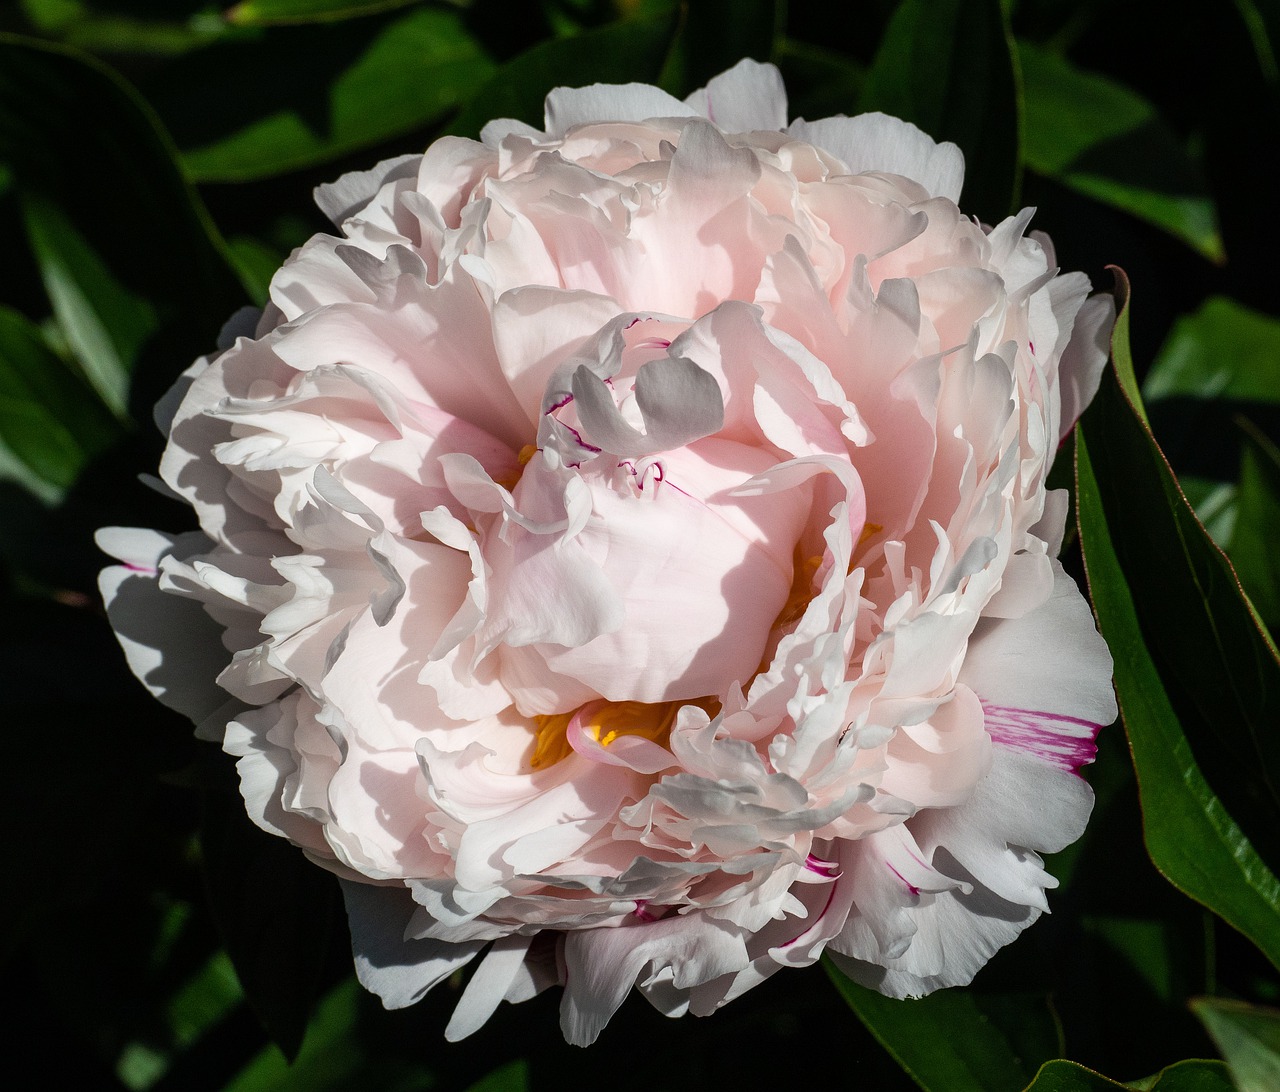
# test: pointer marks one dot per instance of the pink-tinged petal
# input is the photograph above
(263, 741)
(955, 937)
(750, 95)
(633, 752)
(697, 583)
(988, 847)
(536, 327)
(1085, 357)
(628, 546)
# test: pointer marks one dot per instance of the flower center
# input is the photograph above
(607, 721)
(511, 480)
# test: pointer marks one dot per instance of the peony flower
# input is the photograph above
(625, 558)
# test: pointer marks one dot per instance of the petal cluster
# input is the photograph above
(625, 557)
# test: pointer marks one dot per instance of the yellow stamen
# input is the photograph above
(551, 745)
(802, 590)
(609, 721)
(510, 481)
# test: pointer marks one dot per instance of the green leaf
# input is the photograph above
(1197, 682)
(944, 1041)
(49, 418)
(949, 66)
(289, 98)
(1193, 1075)
(1257, 526)
(1100, 139)
(266, 12)
(129, 257)
(1260, 18)
(631, 50)
(1249, 1038)
(1223, 351)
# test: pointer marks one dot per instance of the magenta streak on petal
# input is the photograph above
(642, 911)
(829, 869)
(654, 343)
(558, 405)
(148, 569)
(1062, 741)
(1032, 346)
(909, 886)
(583, 443)
(916, 857)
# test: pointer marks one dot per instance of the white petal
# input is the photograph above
(570, 106)
(399, 971)
(171, 644)
(1050, 660)
(749, 96)
(603, 964)
(354, 190)
(490, 984)
(878, 142)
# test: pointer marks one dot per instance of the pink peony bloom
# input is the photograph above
(625, 558)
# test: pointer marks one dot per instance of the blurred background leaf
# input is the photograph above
(633, 49)
(1249, 1038)
(285, 98)
(924, 73)
(268, 12)
(1102, 140)
(51, 421)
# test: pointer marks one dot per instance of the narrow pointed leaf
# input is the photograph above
(105, 323)
(1197, 681)
(944, 1041)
